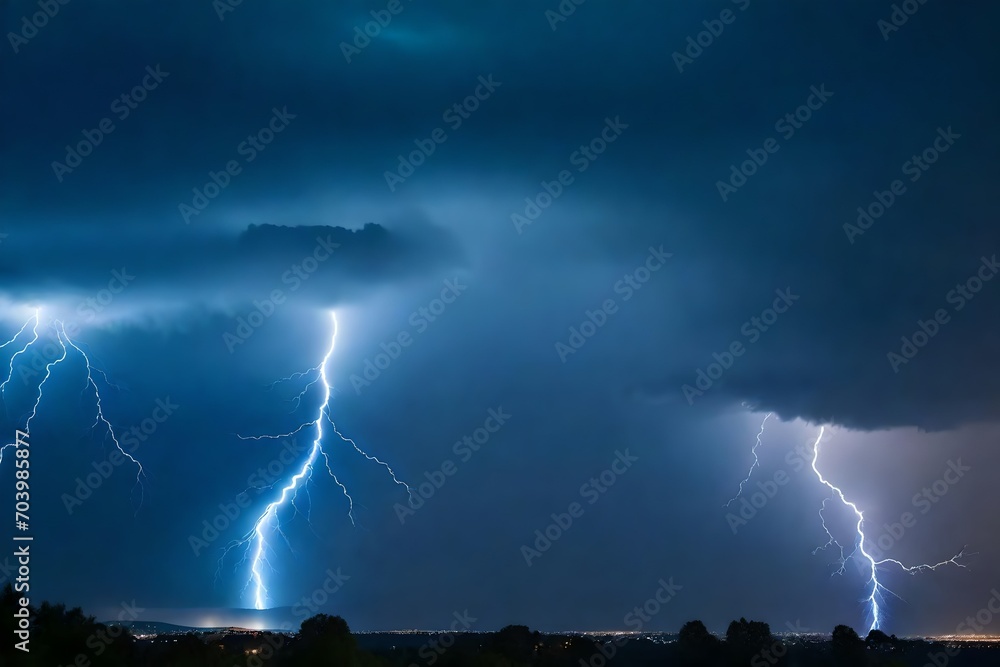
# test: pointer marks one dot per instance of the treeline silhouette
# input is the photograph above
(63, 637)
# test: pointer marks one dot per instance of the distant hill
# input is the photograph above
(179, 621)
(155, 628)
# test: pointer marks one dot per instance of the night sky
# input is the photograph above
(550, 216)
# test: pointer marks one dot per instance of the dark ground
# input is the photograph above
(61, 637)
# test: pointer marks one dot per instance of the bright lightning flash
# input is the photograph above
(756, 461)
(269, 522)
(64, 342)
(876, 589)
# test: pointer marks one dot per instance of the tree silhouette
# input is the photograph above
(516, 643)
(59, 636)
(848, 648)
(877, 639)
(696, 645)
(326, 640)
(755, 635)
(744, 639)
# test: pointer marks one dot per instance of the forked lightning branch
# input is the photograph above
(30, 340)
(260, 543)
(870, 562)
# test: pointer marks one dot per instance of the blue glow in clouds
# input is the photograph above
(268, 524)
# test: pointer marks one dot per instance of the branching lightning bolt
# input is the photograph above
(100, 420)
(48, 372)
(256, 540)
(21, 331)
(876, 589)
(34, 329)
(756, 460)
(298, 399)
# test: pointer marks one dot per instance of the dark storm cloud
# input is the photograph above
(873, 101)
(923, 270)
(326, 263)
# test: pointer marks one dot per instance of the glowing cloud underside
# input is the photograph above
(269, 523)
(875, 597)
(101, 423)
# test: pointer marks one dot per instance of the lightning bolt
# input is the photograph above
(876, 590)
(314, 371)
(48, 374)
(38, 399)
(256, 540)
(100, 420)
(756, 461)
(34, 329)
(21, 331)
